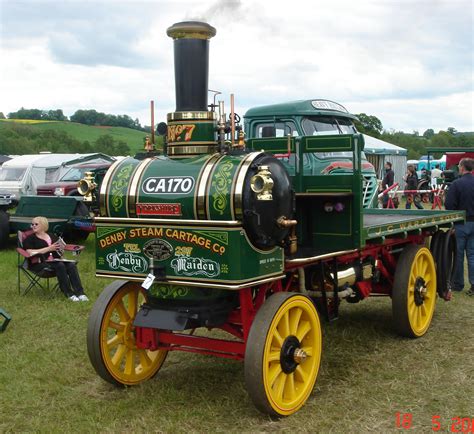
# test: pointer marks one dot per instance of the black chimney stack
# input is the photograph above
(191, 64)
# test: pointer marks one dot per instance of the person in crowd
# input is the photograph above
(411, 180)
(461, 197)
(46, 251)
(387, 181)
(435, 174)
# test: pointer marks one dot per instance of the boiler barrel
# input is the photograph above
(209, 187)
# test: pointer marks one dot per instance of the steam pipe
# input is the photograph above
(152, 110)
(232, 120)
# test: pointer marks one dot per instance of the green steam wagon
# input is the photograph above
(217, 233)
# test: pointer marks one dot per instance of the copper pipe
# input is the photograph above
(283, 222)
(232, 120)
(152, 107)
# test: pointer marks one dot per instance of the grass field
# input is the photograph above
(133, 138)
(368, 373)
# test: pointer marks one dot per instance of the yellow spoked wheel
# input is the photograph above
(414, 291)
(283, 354)
(111, 340)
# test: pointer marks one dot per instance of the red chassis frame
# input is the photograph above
(251, 299)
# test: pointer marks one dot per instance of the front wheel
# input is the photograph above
(414, 291)
(283, 354)
(111, 339)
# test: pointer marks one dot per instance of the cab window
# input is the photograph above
(275, 129)
(324, 125)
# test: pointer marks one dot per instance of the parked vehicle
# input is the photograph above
(66, 185)
(213, 235)
(19, 180)
(23, 174)
(67, 216)
(316, 117)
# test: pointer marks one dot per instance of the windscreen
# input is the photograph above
(328, 125)
(73, 174)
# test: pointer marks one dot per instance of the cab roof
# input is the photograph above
(309, 107)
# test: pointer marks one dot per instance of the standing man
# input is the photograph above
(387, 181)
(435, 174)
(461, 197)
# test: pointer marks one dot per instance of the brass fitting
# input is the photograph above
(241, 143)
(293, 241)
(86, 186)
(262, 183)
(283, 222)
(149, 146)
(300, 355)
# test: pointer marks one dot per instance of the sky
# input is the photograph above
(408, 62)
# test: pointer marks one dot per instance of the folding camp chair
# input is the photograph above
(6, 319)
(39, 280)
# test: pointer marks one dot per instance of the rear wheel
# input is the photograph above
(111, 339)
(283, 354)
(414, 291)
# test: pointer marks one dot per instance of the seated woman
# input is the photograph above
(46, 248)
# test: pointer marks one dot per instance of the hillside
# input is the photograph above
(133, 138)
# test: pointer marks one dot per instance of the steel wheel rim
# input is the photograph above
(287, 392)
(124, 361)
(421, 300)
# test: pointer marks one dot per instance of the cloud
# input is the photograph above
(408, 62)
(81, 33)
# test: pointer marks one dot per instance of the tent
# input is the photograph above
(379, 152)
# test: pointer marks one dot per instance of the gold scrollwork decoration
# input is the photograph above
(221, 183)
(120, 183)
(167, 291)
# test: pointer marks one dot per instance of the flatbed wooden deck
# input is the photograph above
(379, 223)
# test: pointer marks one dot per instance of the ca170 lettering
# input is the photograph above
(168, 185)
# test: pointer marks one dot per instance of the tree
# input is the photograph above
(2, 116)
(108, 145)
(55, 115)
(92, 117)
(36, 114)
(429, 133)
(23, 113)
(452, 131)
(368, 124)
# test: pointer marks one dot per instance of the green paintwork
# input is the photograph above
(340, 229)
(166, 291)
(166, 167)
(161, 172)
(57, 209)
(197, 254)
(292, 108)
(381, 223)
(312, 161)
